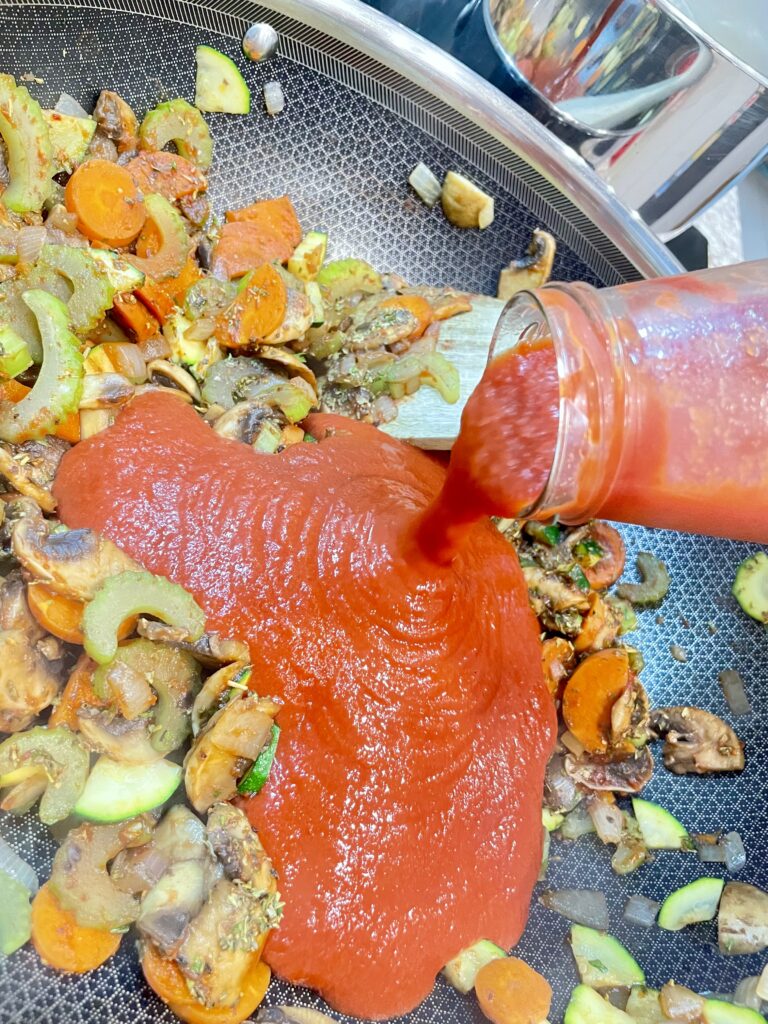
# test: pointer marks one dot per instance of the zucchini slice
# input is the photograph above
(660, 829)
(170, 258)
(116, 790)
(690, 904)
(219, 86)
(308, 256)
(28, 144)
(70, 139)
(589, 1007)
(178, 122)
(718, 1012)
(462, 970)
(344, 277)
(602, 960)
(256, 777)
(750, 587)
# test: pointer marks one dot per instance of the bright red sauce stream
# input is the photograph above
(502, 457)
(403, 809)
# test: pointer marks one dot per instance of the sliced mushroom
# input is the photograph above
(445, 302)
(697, 742)
(29, 681)
(628, 776)
(168, 374)
(179, 836)
(225, 748)
(117, 121)
(550, 590)
(31, 467)
(105, 391)
(14, 609)
(291, 361)
(80, 880)
(530, 271)
(560, 792)
(210, 650)
(239, 848)
(246, 421)
(118, 738)
(74, 563)
(742, 920)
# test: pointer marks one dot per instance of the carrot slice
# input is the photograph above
(604, 573)
(134, 317)
(243, 245)
(106, 202)
(416, 306)
(256, 312)
(77, 693)
(511, 992)
(64, 944)
(62, 616)
(67, 430)
(599, 627)
(167, 981)
(167, 174)
(161, 297)
(590, 695)
(557, 658)
(277, 214)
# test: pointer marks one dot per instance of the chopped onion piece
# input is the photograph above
(577, 823)
(584, 906)
(735, 854)
(680, 1003)
(12, 864)
(68, 105)
(425, 184)
(618, 996)
(762, 984)
(274, 98)
(735, 692)
(575, 746)
(641, 911)
(30, 244)
(200, 330)
(608, 820)
(747, 994)
(710, 853)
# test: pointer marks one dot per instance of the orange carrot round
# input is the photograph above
(168, 174)
(106, 202)
(604, 573)
(257, 311)
(167, 981)
(77, 693)
(64, 944)
(589, 697)
(62, 616)
(511, 992)
(416, 306)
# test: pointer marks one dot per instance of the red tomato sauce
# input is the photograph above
(403, 808)
(503, 455)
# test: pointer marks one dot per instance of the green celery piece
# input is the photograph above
(14, 353)
(60, 754)
(175, 247)
(59, 384)
(28, 145)
(432, 368)
(179, 122)
(131, 593)
(95, 275)
(255, 778)
(16, 916)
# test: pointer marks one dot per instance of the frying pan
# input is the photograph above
(366, 100)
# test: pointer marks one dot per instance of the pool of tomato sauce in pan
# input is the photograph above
(403, 808)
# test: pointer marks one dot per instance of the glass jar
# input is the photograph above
(663, 411)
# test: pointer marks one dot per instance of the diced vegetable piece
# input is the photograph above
(116, 791)
(464, 203)
(106, 202)
(430, 368)
(643, 1006)
(735, 853)
(641, 911)
(680, 1003)
(545, 533)
(308, 256)
(602, 960)
(694, 902)
(238, 379)
(660, 829)
(750, 586)
(531, 271)
(121, 357)
(167, 174)
(511, 992)
(655, 582)
(551, 820)
(268, 231)
(179, 122)
(258, 309)
(425, 184)
(162, 297)
(59, 384)
(70, 138)
(134, 317)
(162, 249)
(256, 777)
(96, 276)
(345, 277)
(583, 906)
(28, 147)
(58, 757)
(462, 970)
(747, 993)
(735, 692)
(14, 353)
(625, 611)
(742, 923)
(12, 864)
(16, 916)
(62, 943)
(131, 593)
(62, 616)
(716, 1011)
(590, 695)
(578, 823)
(589, 1007)
(219, 86)
(274, 98)
(315, 297)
